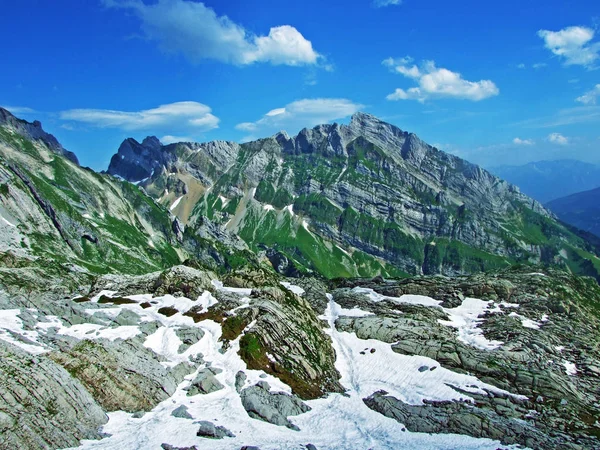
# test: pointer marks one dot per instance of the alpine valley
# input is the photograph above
(348, 287)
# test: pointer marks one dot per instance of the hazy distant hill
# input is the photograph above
(581, 210)
(549, 180)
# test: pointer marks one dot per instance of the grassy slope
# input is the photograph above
(134, 233)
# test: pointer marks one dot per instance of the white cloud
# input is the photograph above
(557, 138)
(539, 65)
(174, 116)
(519, 141)
(573, 44)
(302, 113)
(19, 109)
(434, 82)
(196, 31)
(589, 98)
(521, 66)
(168, 139)
(383, 3)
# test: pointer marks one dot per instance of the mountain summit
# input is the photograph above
(346, 200)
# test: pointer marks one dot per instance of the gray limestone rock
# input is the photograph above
(205, 382)
(209, 430)
(41, 405)
(274, 408)
(181, 412)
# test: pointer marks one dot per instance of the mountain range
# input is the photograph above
(347, 287)
(550, 180)
(356, 200)
(582, 210)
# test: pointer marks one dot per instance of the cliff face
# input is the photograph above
(360, 199)
(33, 131)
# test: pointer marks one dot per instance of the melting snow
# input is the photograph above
(240, 291)
(268, 207)
(529, 323)
(292, 287)
(175, 203)
(464, 317)
(10, 323)
(93, 331)
(290, 209)
(355, 425)
(336, 309)
(570, 368)
(408, 299)
(8, 223)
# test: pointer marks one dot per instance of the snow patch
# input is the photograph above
(466, 319)
(292, 287)
(529, 323)
(570, 368)
(268, 207)
(11, 324)
(175, 203)
(355, 425)
(93, 331)
(240, 291)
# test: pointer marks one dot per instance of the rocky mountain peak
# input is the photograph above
(152, 142)
(33, 130)
(135, 161)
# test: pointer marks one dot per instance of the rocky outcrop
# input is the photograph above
(287, 340)
(205, 382)
(461, 418)
(121, 376)
(275, 408)
(33, 131)
(543, 322)
(41, 405)
(367, 186)
(210, 430)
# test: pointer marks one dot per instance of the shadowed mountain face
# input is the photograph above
(549, 180)
(346, 200)
(582, 210)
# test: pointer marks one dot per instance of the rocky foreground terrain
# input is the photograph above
(124, 326)
(182, 359)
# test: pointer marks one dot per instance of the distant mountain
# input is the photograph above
(362, 199)
(549, 180)
(582, 210)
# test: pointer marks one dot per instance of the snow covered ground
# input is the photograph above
(334, 422)
(337, 421)
(466, 318)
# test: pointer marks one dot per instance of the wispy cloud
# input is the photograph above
(590, 97)
(573, 45)
(557, 138)
(302, 113)
(180, 116)
(168, 139)
(519, 141)
(19, 109)
(566, 116)
(197, 32)
(383, 3)
(434, 82)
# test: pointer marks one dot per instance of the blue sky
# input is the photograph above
(495, 82)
